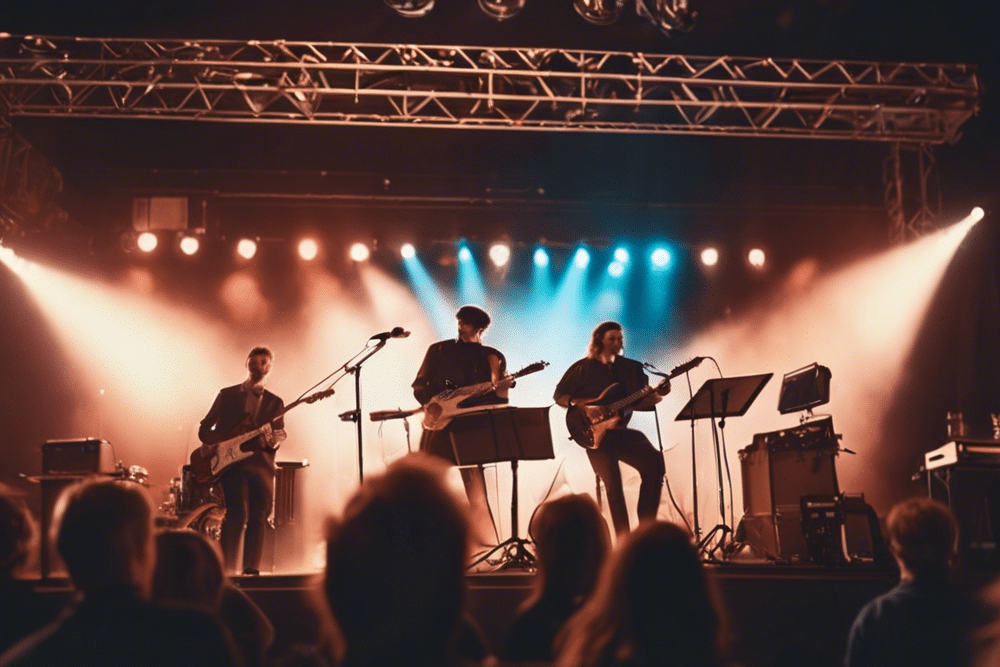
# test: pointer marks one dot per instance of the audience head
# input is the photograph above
(923, 537)
(188, 569)
(18, 534)
(571, 542)
(395, 565)
(103, 530)
(653, 605)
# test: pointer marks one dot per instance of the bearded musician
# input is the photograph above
(603, 367)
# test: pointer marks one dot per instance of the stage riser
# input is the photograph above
(770, 612)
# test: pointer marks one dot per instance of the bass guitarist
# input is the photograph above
(460, 362)
(247, 486)
(606, 374)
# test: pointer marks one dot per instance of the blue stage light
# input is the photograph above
(581, 258)
(464, 254)
(621, 255)
(660, 257)
(616, 269)
(541, 258)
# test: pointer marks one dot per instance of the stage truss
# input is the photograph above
(486, 88)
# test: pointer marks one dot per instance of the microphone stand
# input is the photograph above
(355, 414)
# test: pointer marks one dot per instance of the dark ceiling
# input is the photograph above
(730, 175)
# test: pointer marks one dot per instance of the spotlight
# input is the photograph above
(541, 258)
(308, 249)
(660, 258)
(464, 254)
(499, 254)
(621, 255)
(408, 251)
(359, 252)
(147, 242)
(246, 248)
(977, 213)
(411, 9)
(581, 258)
(709, 256)
(189, 244)
(599, 12)
(667, 15)
(501, 9)
(756, 258)
(616, 269)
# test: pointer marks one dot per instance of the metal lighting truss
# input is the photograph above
(499, 88)
(537, 89)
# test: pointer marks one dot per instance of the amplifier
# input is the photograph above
(76, 456)
(972, 452)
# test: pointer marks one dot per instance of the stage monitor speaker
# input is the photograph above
(973, 494)
(87, 455)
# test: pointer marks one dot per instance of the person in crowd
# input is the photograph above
(603, 377)
(248, 485)
(926, 619)
(395, 570)
(21, 610)
(654, 606)
(189, 570)
(104, 534)
(571, 542)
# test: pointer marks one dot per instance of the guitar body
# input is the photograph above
(440, 410)
(209, 461)
(587, 423)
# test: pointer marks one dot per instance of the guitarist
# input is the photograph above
(247, 486)
(589, 377)
(460, 362)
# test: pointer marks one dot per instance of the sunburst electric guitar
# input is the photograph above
(587, 423)
(211, 460)
(440, 410)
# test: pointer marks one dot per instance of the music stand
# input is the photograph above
(719, 398)
(497, 435)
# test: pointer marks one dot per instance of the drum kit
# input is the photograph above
(192, 505)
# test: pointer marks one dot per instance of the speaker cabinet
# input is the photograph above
(774, 481)
(88, 455)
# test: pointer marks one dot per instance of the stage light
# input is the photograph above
(464, 254)
(246, 248)
(308, 249)
(499, 254)
(709, 256)
(667, 15)
(621, 255)
(541, 257)
(408, 251)
(147, 242)
(599, 12)
(501, 9)
(616, 269)
(411, 9)
(756, 258)
(189, 244)
(977, 214)
(359, 252)
(660, 258)
(581, 258)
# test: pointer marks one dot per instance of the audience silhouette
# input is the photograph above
(22, 611)
(927, 618)
(571, 542)
(395, 579)
(189, 570)
(104, 535)
(653, 606)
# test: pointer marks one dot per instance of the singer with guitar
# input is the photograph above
(604, 377)
(460, 362)
(247, 486)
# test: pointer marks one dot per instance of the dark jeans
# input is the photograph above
(249, 494)
(632, 448)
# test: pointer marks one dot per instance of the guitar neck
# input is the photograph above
(629, 400)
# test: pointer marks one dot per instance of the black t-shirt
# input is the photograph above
(454, 363)
(587, 378)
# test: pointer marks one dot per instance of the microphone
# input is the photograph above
(397, 332)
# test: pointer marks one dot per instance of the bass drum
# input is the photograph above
(206, 519)
(194, 494)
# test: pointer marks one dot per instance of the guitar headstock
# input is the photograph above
(532, 368)
(319, 395)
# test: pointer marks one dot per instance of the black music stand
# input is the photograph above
(496, 435)
(717, 399)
